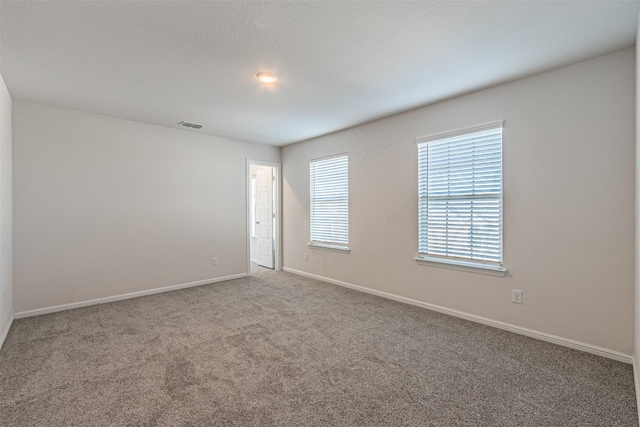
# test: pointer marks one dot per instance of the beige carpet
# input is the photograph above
(278, 349)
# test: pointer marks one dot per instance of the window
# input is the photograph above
(460, 198)
(329, 195)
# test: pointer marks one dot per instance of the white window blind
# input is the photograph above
(460, 196)
(330, 201)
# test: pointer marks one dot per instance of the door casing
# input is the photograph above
(277, 235)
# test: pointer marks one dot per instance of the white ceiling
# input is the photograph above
(340, 63)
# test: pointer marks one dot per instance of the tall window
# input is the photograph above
(460, 197)
(329, 195)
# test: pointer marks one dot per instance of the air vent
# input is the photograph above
(190, 125)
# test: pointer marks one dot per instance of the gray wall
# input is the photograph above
(105, 206)
(6, 211)
(568, 204)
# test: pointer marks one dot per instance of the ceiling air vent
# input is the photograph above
(190, 125)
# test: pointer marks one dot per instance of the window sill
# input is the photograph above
(462, 266)
(336, 248)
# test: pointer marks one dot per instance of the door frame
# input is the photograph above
(277, 235)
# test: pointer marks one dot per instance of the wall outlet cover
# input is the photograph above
(516, 296)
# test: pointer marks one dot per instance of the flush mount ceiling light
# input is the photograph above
(266, 77)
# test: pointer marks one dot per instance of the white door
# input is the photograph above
(264, 217)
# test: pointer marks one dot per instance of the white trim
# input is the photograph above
(277, 167)
(577, 345)
(346, 153)
(337, 248)
(478, 128)
(253, 261)
(636, 379)
(492, 270)
(5, 332)
(71, 306)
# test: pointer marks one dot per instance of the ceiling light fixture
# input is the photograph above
(266, 77)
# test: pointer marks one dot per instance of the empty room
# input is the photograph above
(319, 213)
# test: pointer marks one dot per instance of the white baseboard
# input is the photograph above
(5, 332)
(104, 300)
(577, 345)
(636, 379)
(253, 261)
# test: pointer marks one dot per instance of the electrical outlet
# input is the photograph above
(516, 296)
(306, 256)
(214, 261)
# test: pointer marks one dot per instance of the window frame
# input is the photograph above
(338, 246)
(461, 263)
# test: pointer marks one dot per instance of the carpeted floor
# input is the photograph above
(278, 349)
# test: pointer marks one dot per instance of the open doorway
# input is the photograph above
(263, 216)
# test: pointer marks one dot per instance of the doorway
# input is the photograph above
(263, 216)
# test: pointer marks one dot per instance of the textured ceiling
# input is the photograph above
(340, 63)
